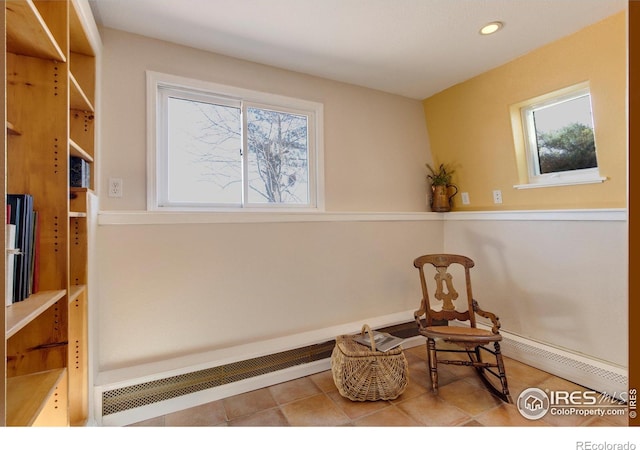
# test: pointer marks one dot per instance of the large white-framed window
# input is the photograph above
(213, 147)
(555, 140)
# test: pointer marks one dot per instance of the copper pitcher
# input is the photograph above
(442, 197)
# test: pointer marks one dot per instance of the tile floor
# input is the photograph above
(314, 401)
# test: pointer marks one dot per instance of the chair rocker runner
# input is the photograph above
(434, 324)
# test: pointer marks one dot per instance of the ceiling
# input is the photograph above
(413, 48)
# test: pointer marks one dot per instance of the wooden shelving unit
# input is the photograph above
(23, 313)
(28, 33)
(78, 98)
(50, 85)
(25, 405)
(76, 150)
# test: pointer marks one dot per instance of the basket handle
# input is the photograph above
(366, 328)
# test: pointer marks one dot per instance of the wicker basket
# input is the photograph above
(361, 373)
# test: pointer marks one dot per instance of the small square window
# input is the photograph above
(558, 143)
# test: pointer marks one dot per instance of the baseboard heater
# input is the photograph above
(134, 396)
(587, 372)
(591, 373)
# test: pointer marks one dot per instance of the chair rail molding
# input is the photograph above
(160, 218)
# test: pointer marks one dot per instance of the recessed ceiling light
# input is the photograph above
(491, 28)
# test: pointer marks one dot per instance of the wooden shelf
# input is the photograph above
(28, 34)
(80, 190)
(76, 291)
(21, 313)
(78, 201)
(78, 41)
(77, 97)
(27, 395)
(76, 150)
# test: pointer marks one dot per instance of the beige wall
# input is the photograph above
(469, 124)
(171, 289)
(375, 144)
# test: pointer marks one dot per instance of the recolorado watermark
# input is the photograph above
(535, 403)
(589, 445)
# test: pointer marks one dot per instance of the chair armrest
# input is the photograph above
(487, 315)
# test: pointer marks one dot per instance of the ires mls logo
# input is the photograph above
(533, 403)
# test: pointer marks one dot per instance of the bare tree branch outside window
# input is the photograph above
(278, 157)
(204, 164)
(226, 148)
(210, 134)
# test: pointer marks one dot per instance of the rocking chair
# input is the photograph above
(436, 327)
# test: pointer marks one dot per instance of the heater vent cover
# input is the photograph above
(137, 395)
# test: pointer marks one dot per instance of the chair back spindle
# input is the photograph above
(449, 309)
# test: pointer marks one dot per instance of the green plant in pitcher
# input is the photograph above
(440, 177)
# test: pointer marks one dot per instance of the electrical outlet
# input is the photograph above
(115, 187)
(465, 198)
(497, 196)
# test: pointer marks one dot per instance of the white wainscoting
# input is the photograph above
(557, 279)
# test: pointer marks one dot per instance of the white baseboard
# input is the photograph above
(209, 395)
(593, 374)
(600, 376)
(121, 378)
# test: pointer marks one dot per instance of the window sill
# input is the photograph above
(556, 183)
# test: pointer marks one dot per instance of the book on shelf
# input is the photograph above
(384, 341)
(33, 255)
(10, 249)
(22, 216)
(79, 172)
(14, 204)
(35, 286)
